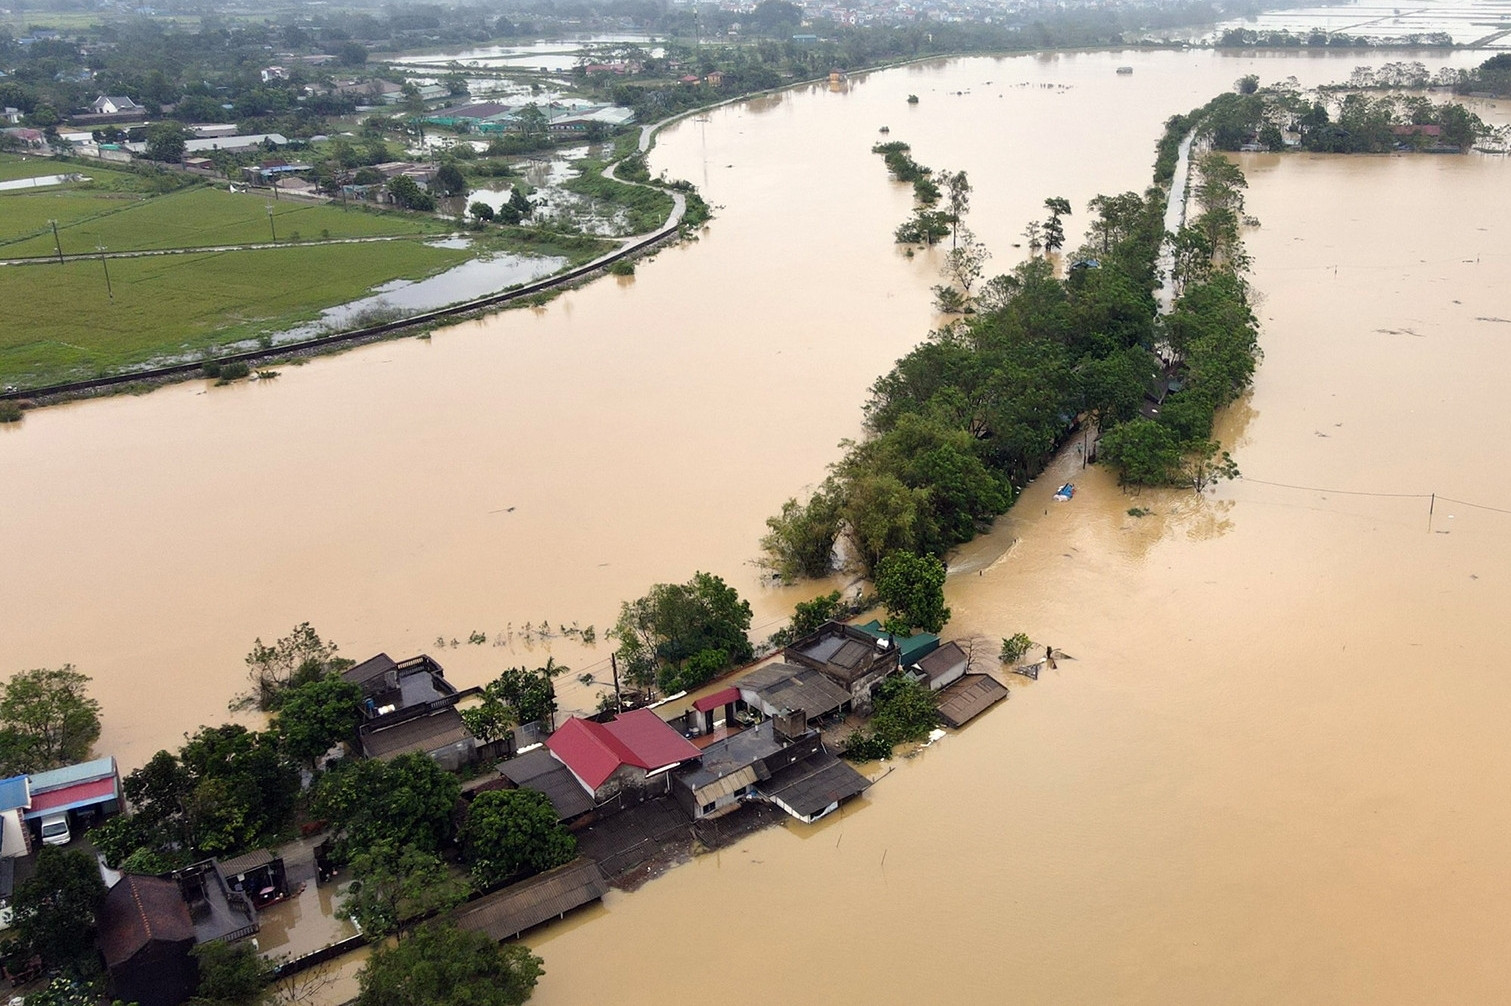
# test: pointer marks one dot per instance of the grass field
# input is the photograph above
(90, 215)
(60, 325)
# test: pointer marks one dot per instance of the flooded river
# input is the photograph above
(1272, 773)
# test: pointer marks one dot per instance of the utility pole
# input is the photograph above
(106, 263)
(56, 242)
(618, 699)
(271, 226)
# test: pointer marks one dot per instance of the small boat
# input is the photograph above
(1065, 492)
(1125, 69)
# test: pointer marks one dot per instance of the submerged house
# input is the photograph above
(409, 706)
(731, 769)
(778, 689)
(635, 750)
(941, 667)
(144, 933)
(849, 656)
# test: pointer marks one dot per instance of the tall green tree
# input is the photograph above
(675, 621)
(509, 832)
(55, 908)
(393, 884)
(406, 801)
(441, 965)
(315, 716)
(47, 719)
(912, 588)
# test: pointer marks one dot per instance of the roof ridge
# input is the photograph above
(140, 908)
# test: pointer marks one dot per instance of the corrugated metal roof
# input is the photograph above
(246, 863)
(728, 784)
(808, 786)
(80, 794)
(507, 913)
(943, 660)
(963, 700)
(14, 792)
(427, 733)
(594, 751)
(70, 774)
(723, 697)
(786, 686)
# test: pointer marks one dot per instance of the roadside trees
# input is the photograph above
(47, 719)
(441, 965)
(513, 831)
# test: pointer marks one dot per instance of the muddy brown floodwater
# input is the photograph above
(1275, 769)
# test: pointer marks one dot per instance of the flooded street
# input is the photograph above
(1275, 769)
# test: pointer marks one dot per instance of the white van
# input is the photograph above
(55, 829)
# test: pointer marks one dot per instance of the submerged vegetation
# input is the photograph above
(979, 408)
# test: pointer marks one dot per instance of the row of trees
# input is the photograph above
(979, 406)
(1348, 123)
(1211, 329)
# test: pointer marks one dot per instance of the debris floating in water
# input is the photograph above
(1065, 492)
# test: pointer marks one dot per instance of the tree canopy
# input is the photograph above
(392, 884)
(660, 634)
(316, 715)
(407, 801)
(55, 908)
(509, 832)
(912, 588)
(297, 658)
(441, 965)
(47, 720)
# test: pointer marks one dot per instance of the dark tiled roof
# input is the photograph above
(137, 911)
(538, 770)
(963, 700)
(943, 660)
(732, 755)
(427, 733)
(786, 686)
(507, 913)
(371, 669)
(814, 783)
(242, 864)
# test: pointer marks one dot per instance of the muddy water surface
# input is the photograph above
(541, 466)
(1274, 770)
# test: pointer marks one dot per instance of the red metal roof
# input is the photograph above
(594, 751)
(68, 796)
(717, 699)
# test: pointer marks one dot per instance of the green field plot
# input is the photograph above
(60, 325)
(190, 218)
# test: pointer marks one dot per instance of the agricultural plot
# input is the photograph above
(61, 325)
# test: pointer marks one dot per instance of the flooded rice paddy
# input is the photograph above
(1274, 770)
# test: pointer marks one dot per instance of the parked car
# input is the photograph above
(55, 830)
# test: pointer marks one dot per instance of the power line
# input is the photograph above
(1379, 495)
(1340, 492)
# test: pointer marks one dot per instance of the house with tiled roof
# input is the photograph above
(145, 934)
(637, 749)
